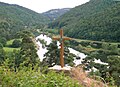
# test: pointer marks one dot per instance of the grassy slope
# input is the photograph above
(11, 41)
(8, 48)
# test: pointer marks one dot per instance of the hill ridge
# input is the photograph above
(90, 21)
(14, 18)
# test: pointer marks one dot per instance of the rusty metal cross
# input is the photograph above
(61, 39)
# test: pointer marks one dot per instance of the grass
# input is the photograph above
(10, 42)
(79, 40)
(89, 49)
(8, 49)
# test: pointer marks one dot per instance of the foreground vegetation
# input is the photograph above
(34, 78)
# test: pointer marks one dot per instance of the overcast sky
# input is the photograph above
(45, 5)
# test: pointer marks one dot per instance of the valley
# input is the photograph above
(85, 46)
(92, 56)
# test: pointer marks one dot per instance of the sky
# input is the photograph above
(45, 5)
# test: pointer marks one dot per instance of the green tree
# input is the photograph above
(28, 52)
(114, 68)
(1, 46)
(110, 55)
(24, 33)
(2, 54)
(52, 57)
(16, 43)
(14, 60)
(3, 41)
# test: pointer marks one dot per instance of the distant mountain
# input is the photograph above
(14, 18)
(55, 13)
(96, 20)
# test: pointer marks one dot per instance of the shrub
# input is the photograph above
(85, 43)
(74, 43)
(3, 41)
(118, 45)
(16, 43)
(33, 78)
(1, 45)
(96, 44)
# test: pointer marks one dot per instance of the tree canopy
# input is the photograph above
(95, 20)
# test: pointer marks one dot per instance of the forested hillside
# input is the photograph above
(55, 13)
(96, 20)
(14, 18)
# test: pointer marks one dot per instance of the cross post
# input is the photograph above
(61, 39)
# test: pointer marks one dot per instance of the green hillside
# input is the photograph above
(55, 13)
(14, 18)
(96, 20)
(15, 13)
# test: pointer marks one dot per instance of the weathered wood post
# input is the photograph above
(61, 39)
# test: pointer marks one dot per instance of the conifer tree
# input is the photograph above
(52, 57)
(28, 51)
(2, 54)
